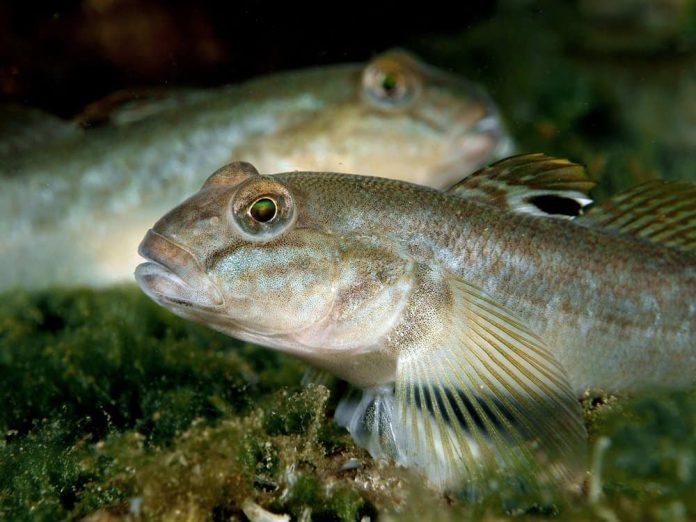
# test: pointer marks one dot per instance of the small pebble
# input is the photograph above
(256, 513)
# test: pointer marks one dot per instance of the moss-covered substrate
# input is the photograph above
(113, 408)
(111, 403)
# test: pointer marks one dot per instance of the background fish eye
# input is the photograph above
(390, 87)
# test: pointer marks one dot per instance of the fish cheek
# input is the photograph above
(372, 288)
(277, 288)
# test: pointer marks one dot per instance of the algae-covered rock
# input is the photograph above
(649, 466)
(629, 114)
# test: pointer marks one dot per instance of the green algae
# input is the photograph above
(115, 361)
(111, 403)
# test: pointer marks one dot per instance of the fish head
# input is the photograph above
(421, 119)
(396, 117)
(241, 257)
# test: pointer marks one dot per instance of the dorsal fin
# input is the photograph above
(658, 211)
(532, 184)
(132, 105)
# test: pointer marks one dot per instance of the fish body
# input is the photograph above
(469, 329)
(75, 205)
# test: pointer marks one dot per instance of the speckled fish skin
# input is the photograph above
(74, 210)
(468, 328)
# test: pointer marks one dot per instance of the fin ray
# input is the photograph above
(658, 212)
(133, 105)
(485, 392)
(314, 375)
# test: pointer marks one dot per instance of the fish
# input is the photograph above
(74, 202)
(467, 321)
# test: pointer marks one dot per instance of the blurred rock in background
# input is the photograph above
(626, 109)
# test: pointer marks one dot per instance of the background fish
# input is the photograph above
(469, 325)
(74, 204)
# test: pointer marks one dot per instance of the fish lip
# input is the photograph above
(173, 276)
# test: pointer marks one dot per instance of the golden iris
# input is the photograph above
(263, 210)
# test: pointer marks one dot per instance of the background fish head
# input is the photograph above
(243, 257)
(396, 117)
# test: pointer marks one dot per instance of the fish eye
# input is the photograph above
(389, 85)
(263, 210)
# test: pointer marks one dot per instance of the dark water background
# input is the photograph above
(62, 55)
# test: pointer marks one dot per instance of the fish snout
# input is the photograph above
(173, 275)
(473, 147)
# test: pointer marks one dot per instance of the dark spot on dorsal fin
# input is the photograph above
(556, 205)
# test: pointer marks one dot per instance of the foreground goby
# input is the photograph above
(468, 321)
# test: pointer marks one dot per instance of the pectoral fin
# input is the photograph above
(316, 376)
(477, 395)
(369, 417)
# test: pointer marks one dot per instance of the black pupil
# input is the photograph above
(389, 83)
(556, 205)
(263, 210)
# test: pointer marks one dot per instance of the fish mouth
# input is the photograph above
(482, 139)
(473, 148)
(173, 276)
